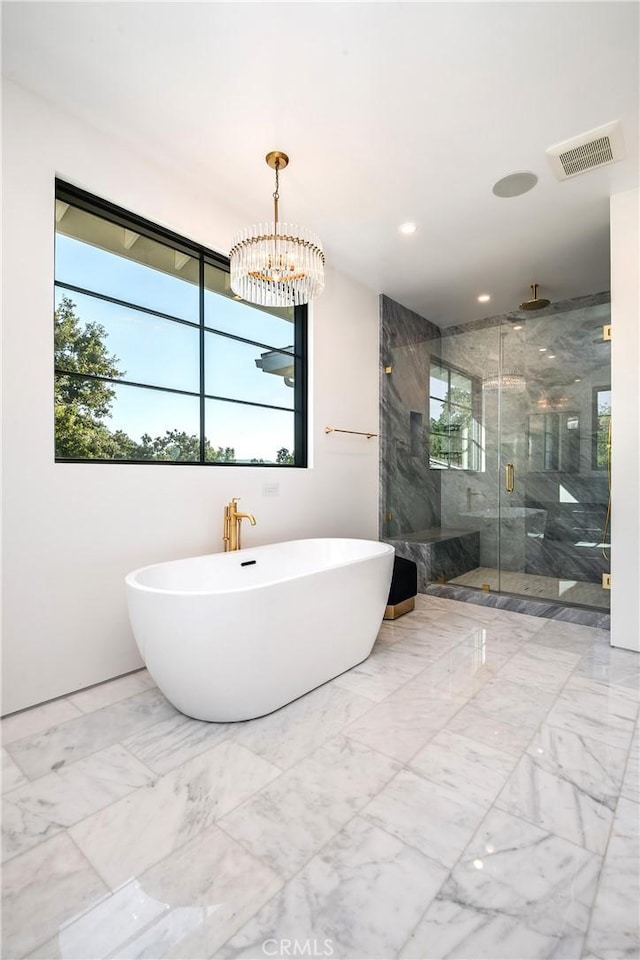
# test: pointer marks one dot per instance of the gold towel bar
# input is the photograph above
(360, 433)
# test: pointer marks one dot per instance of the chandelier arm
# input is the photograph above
(276, 193)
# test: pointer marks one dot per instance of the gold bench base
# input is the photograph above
(395, 610)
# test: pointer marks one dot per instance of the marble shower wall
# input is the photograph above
(409, 490)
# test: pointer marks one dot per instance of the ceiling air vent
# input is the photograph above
(596, 148)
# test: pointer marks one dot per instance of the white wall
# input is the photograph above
(625, 377)
(72, 531)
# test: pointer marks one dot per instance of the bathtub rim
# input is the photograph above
(132, 583)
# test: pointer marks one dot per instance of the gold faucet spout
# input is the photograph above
(232, 524)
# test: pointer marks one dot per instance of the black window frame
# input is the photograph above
(76, 197)
(475, 408)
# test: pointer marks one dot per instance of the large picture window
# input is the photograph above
(454, 427)
(156, 360)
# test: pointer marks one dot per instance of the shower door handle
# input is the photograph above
(509, 477)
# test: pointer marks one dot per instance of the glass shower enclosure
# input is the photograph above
(496, 450)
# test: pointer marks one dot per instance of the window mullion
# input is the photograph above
(202, 364)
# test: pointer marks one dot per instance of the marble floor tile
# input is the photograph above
(29, 722)
(450, 797)
(102, 928)
(42, 889)
(362, 895)
(168, 744)
(476, 725)
(513, 703)
(517, 892)
(185, 906)
(522, 621)
(132, 834)
(508, 637)
(568, 785)
(475, 612)
(22, 830)
(474, 771)
(399, 727)
(631, 783)
(12, 776)
(296, 730)
(289, 820)
(562, 635)
(451, 930)
(431, 817)
(87, 733)
(426, 602)
(39, 808)
(614, 932)
(378, 677)
(443, 634)
(426, 644)
(104, 694)
(464, 670)
(608, 665)
(597, 711)
(540, 667)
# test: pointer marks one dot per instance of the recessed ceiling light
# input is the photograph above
(577, 379)
(515, 184)
(542, 349)
(518, 327)
(484, 298)
(407, 228)
(551, 356)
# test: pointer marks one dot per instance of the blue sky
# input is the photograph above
(164, 353)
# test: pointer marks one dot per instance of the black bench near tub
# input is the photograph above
(404, 587)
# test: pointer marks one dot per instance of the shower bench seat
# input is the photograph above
(440, 553)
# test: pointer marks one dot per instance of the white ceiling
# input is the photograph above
(389, 112)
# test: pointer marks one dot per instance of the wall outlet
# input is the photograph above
(606, 581)
(270, 489)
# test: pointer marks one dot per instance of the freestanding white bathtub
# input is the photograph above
(232, 636)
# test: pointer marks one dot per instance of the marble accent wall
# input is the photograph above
(440, 555)
(409, 490)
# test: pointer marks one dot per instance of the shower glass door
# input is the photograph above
(464, 448)
(553, 488)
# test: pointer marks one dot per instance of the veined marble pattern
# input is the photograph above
(517, 891)
(568, 784)
(471, 790)
(534, 585)
(614, 925)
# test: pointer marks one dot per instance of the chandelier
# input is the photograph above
(277, 264)
(512, 381)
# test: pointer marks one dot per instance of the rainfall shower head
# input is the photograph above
(536, 303)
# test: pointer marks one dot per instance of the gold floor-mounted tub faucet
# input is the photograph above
(232, 523)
